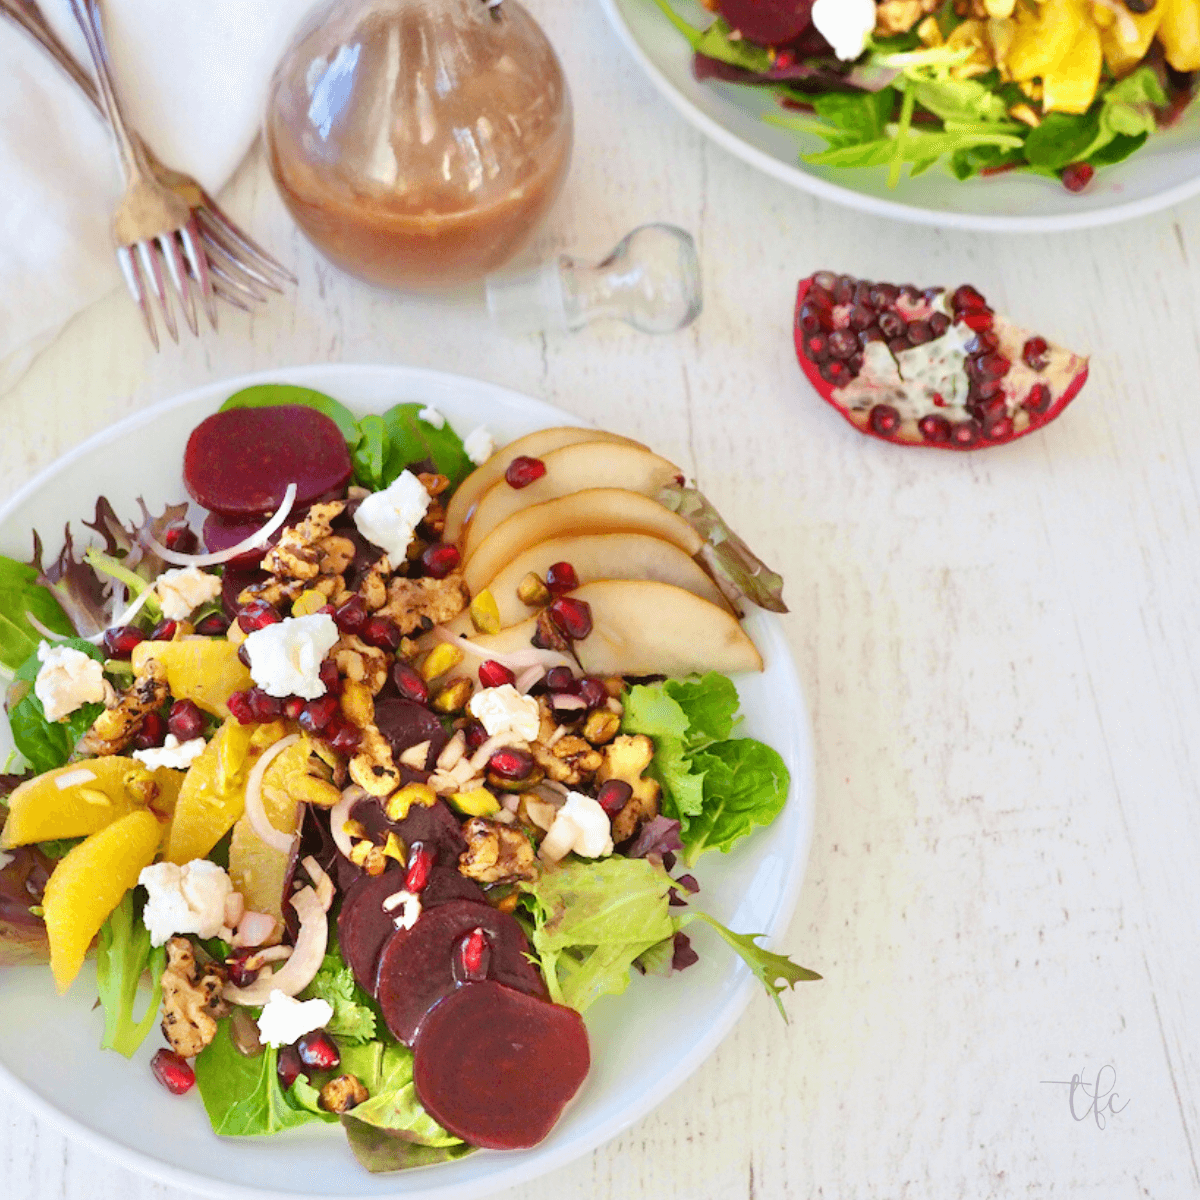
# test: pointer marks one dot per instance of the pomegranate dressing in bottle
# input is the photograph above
(419, 143)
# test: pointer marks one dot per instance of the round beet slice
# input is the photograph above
(417, 967)
(405, 724)
(220, 533)
(497, 1067)
(239, 463)
(768, 22)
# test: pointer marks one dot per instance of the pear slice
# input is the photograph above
(594, 510)
(602, 556)
(533, 445)
(572, 469)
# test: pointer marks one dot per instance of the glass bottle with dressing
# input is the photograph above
(419, 143)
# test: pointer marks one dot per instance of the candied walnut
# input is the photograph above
(899, 16)
(372, 766)
(116, 727)
(571, 760)
(342, 1094)
(191, 999)
(298, 553)
(361, 663)
(421, 603)
(281, 592)
(373, 588)
(496, 853)
(627, 758)
(435, 485)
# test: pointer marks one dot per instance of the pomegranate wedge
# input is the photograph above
(928, 368)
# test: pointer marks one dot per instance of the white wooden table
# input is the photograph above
(1001, 651)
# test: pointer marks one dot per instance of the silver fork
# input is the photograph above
(167, 219)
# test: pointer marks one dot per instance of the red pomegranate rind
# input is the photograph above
(240, 462)
(496, 1067)
(767, 22)
(1001, 382)
(417, 968)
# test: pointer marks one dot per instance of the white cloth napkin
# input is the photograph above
(193, 75)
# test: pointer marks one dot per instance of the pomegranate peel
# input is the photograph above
(936, 368)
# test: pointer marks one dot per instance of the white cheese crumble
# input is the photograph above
(181, 592)
(583, 824)
(67, 680)
(387, 519)
(409, 905)
(285, 1020)
(187, 899)
(845, 25)
(479, 445)
(504, 710)
(172, 753)
(285, 658)
(431, 416)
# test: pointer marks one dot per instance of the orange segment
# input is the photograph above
(88, 884)
(204, 670)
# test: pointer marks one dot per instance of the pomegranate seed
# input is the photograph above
(317, 714)
(842, 343)
(342, 735)
(986, 389)
(264, 707)
(934, 429)
(153, 731)
(511, 763)
(440, 559)
(965, 433)
(809, 318)
(288, 1066)
(983, 343)
(243, 655)
(994, 366)
(493, 674)
(382, 633)
(328, 675)
(473, 954)
(173, 1072)
(561, 577)
(523, 471)
(214, 625)
(351, 616)
(182, 539)
(997, 431)
(164, 631)
(824, 281)
(1077, 176)
(240, 707)
(816, 346)
(919, 333)
(475, 733)
(409, 683)
(1035, 353)
(593, 692)
(862, 317)
(560, 679)
(258, 614)
(899, 345)
(967, 299)
(892, 324)
(979, 321)
(884, 420)
(119, 641)
(909, 295)
(613, 795)
(862, 292)
(938, 324)
(185, 720)
(317, 1050)
(843, 290)
(836, 373)
(293, 706)
(874, 334)
(420, 860)
(883, 295)
(239, 974)
(1038, 399)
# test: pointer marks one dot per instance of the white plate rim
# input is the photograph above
(768, 630)
(893, 209)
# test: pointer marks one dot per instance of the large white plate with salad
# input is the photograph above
(644, 1043)
(1163, 171)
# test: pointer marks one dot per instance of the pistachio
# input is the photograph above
(454, 696)
(400, 802)
(533, 591)
(485, 613)
(442, 658)
(601, 726)
(477, 803)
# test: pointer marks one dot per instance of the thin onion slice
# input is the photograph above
(253, 542)
(529, 677)
(299, 970)
(518, 660)
(275, 838)
(125, 617)
(48, 634)
(321, 881)
(339, 814)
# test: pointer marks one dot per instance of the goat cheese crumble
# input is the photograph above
(285, 1019)
(285, 658)
(182, 591)
(845, 25)
(431, 416)
(172, 753)
(67, 680)
(504, 710)
(583, 827)
(479, 445)
(187, 899)
(389, 518)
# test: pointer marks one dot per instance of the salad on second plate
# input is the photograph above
(386, 786)
(1056, 87)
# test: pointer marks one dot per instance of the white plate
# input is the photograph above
(644, 1043)
(1165, 171)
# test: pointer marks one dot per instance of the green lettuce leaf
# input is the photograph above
(269, 395)
(855, 117)
(369, 454)
(353, 1019)
(411, 440)
(919, 146)
(20, 597)
(303, 1095)
(709, 706)
(123, 956)
(393, 1103)
(965, 100)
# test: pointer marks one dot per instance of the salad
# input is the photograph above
(366, 802)
(1055, 87)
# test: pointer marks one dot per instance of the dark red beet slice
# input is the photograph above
(220, 533)
(405, 724)
(435, 827)
(768, 22)
(239, 463)
(233, 583)
(417, 966)
(497, 1067)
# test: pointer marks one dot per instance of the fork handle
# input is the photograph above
(30, 18)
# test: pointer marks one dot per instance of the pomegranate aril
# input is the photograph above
(119, 642)
(409, 683)
(1036, 353)
(862, 317)
(994, 366)
(523, 471)
(329, 676)
(243, 655)
(967, 299)
(173, 1072)
(293, 706)
(214, 625)
(185, 720)
(240, 708)
(258, 614)
(816, 346)
(613, 795)
(898, 345)
(919, 333)
(862, 292)
(983, 343)
(978, 321)
(561, 577)
(990, 411)
(164, 631)
(824, 281)
(342, 735)
(909, 295)
(381, 632)
(238, 973)
(474, 954)
(874, 334)
(892, 324)
(593, 692)
(810, 318)
(843, 290)
(997, 431)
(351, 616)
(883, 295)
(511, 763)
(475, 733)
(938, 324)
(1077, 176)
(985, 389)
(265, 707)
(965, 433)
(934, 429)
(316, 714)
(884, 420)
(1038, 399)
(440, 559)
(420, 860)
(842, 343)
(836, 373)
(181, 539)
(317, 1050)
(493, 674)
(288, 1066)
(561, 679)
(153, 732)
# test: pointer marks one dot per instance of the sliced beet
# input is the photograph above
(405, 724)
(220, 533)
(417, 967)
(233, 583)
(767, 22)
(239, 463)
(497, 1067)
(435, 827)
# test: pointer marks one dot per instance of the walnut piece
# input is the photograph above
(571, 760)
(361, 663)
(372, 766)
(342, 1094)
(899, 16)
(116, 727)
(422, 603)
(300, 549)
(191, 999)
(496, 853)
(626, 758)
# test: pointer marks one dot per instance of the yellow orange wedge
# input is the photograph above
(206, 671)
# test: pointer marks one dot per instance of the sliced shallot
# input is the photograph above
(339, 814)
(299, 970)
(253, 542)
(275, 838)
